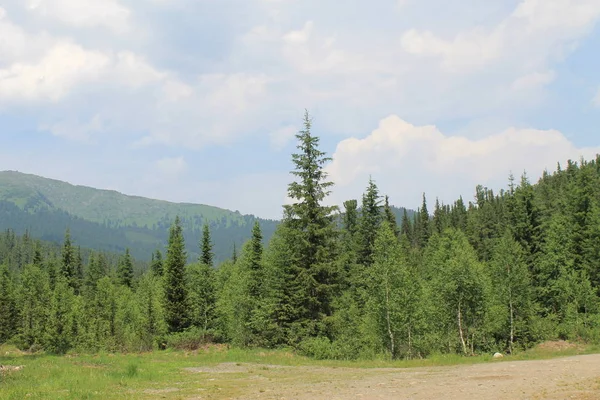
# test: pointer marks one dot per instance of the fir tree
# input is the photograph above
(406, 229)
(176, 305)
(8, 309)
(309, 271)
(206, 247)
(156, 264)
(69, 261)
(390, 217)
(125, 270)
(234, 255)
(370, 218)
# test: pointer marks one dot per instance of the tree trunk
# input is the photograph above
(460, 329)
(409, 342)
(388, 318)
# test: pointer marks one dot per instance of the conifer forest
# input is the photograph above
(502, 272)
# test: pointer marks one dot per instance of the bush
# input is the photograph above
(190, 339)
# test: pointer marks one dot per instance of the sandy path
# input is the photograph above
(575, 377)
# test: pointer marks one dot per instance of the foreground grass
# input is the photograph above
(164, 374)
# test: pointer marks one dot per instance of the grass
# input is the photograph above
(224, 373)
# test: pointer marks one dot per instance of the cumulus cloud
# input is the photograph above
(537, 30)
(405, 159)
(64, 66)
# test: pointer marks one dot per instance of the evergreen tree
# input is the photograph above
(152, 313)
(176, 305)
(406, 229)
(156, 264)
(34, 297)
(8, 309)
(234, 255)
(201, 296)
(68, 266)
(97, 269)
(59, 334)
(38, 260)
(424, 229)
(309, 272)
(390, 217)
(206, 247)
(370, 219)
(125, 270)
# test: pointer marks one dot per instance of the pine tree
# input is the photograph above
(255, 262)
(309, 271)
(69, 261)
(34, 297)
(125, 270)
(37, 256)
(8, 307)
(59, 334)
(201, 296)
(234, 255)
(390, 217)
(206, 247)
(156, 264)
(176, 305)
(424, 229)
(406, 229)
(97, 269)
(369, 222)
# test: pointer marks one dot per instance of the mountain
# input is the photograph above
(109, 220)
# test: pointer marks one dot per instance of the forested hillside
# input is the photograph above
(501, 273)
(108, 220)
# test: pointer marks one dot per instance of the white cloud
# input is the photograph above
(171, 165)
(405, 160)
(62, 67)
(537, 30)
(596, 99)
(84, 13)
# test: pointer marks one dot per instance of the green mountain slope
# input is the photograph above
(108, 220)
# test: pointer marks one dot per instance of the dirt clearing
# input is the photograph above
(576, 377)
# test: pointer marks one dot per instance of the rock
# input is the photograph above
(498, 355)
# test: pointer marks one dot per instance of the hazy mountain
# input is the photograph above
(109, 220)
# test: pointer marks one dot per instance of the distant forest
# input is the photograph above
(501, 273)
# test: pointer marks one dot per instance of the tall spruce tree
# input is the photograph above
(309, 272)
(176, 302)
(206, 247)
(370, 219)
(8, 307)
(406, 228)
(69, 261)
(390, 217)
(156, 264)
(125, 270)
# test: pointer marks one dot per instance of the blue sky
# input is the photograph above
(198, 100)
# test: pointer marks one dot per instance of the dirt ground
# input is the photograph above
(576, 377)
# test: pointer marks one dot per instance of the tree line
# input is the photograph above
(499, 273)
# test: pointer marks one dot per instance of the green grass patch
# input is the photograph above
(211, 373)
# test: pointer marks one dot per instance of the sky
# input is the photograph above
(199, 100)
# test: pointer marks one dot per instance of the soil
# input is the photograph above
(576, 377)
